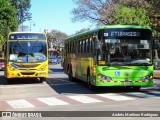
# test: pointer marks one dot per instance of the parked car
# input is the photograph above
(1, 64)
(59, 59)
(53, 59)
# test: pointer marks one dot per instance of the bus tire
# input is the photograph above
(136, 88)
(90, 86)
(6, 81)
(42, 80)
(70, 74)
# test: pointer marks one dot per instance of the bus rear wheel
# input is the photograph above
(71, 78)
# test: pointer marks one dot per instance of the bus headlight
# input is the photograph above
(104, 78)
(43, 67)
(147, 78)
(12, 68)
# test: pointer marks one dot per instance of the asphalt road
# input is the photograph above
(59, 94)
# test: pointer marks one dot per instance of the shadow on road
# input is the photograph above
(79, 87)
(57, 70)
(4, 81)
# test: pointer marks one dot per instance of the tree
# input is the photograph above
(99, 11)
(155, 5)
(135, 3)
(8, 21)
(22, 10)
(103, 12)
(152, 6)
(23, 28)
(131, 15)
(56, 38)
(82, 30)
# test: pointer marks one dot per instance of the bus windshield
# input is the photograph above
(125, 48)
(32, 51)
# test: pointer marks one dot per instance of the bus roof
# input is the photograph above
(81, 34)
(124, 26)
(105, 27)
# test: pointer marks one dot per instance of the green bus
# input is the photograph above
(112, 55)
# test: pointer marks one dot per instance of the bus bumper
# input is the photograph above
(123, 83)
(37, 74)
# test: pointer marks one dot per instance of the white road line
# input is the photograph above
(21, 103)
(52, 101)
(154, 91)
(84, 99)
(115, 97)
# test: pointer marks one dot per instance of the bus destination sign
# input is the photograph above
(122, 34)
(27, 36)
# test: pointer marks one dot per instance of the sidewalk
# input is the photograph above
(156, 74)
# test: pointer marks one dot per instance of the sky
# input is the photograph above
(54, 14)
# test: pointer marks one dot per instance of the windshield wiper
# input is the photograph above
(139, 64)
(20, 45)
(116, 63)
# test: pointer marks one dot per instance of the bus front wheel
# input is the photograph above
(90, 86)
(42, 80)
(136, 88)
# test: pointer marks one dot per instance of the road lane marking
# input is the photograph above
(21, 103)
(84, 99)
(154, 91)
(52, 101)
(115, 97)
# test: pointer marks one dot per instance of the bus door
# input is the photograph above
(79, 57)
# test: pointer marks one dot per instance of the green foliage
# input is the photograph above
(22, 10)
(8, 21)
(82, 30)
(1, 39)
(155, 6)
(56, 38)
(131, 16)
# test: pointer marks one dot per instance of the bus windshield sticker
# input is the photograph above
(113, 41)
(105, 34)
(117, 73)
(12, 37)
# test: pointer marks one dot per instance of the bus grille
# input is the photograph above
(25, 69)
(17, 65)
(28, 73)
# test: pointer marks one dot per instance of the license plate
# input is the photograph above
(126, 83)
